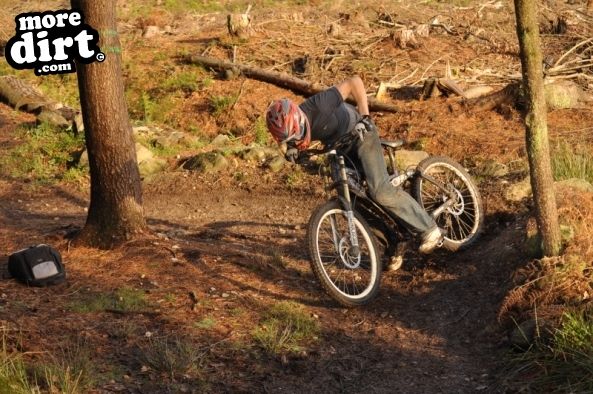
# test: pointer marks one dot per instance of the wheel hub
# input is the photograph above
(349, 261)
(458, 207)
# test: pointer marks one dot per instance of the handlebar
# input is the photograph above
(344, 144)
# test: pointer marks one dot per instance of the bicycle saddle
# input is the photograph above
(392, 144)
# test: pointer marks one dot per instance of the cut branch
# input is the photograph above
(283, 80)
(574, 48)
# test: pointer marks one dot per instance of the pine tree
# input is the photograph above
(115, 212)
(538, 150)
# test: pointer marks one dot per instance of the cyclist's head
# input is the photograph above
(287, 122)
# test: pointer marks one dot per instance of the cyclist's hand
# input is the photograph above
(368, 123)
(365, 125)
(292, 154)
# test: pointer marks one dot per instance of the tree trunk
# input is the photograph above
(115, 211)
(538, 149)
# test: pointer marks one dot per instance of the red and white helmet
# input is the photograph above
(287, 122)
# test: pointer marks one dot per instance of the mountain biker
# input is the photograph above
(326, 117)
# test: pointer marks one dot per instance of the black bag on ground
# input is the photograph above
(39, 265)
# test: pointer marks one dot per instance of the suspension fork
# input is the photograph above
(347, 202)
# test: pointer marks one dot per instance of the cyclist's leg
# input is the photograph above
(394, 199)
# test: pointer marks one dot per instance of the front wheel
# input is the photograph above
(463, 220)
(351, 276)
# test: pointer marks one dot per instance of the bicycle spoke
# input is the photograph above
(469, 212)
(334, 257)
(460, 228)
(354, 284)
(345, 281)
(469, 224)
(428, 192)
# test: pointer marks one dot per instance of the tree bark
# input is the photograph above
(590, 6)
(538, 150)
(115, 211)
(297, 85)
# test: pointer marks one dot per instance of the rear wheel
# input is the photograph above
(462, 222)
(349, 276)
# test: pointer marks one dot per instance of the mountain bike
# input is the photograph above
(350, 234)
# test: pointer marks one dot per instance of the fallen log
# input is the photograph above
(25, 97)
(22, 96)
(506, 96)
(283, 80)
(559, 95)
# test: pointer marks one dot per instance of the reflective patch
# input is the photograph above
(45, 270)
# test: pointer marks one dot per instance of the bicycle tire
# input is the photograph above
(463, 222)
(326, 271)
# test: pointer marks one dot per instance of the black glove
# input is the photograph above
(365, 125)
(291, 154)
(368, 123)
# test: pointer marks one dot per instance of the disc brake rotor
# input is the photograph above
(349, 261)
(458, 207)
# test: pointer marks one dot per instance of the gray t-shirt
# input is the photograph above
(329, 116)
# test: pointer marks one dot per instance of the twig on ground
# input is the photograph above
(279, 65)
(372, 44)
(574, 48)
(205, 51)
(328, 65)
(569, 76)
(444, 27)
(427, 68)
(401, 81)
(122, 312)
(460, 318)
(240, 93)
(211, 346)
(561, 70)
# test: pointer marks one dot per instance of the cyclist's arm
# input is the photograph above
(355, 87)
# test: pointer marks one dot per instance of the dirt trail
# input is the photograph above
(433, 328)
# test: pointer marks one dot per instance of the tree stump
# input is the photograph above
(430, 89)
(239, 25)
(404, 38)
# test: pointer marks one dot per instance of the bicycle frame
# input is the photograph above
(345, 192)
